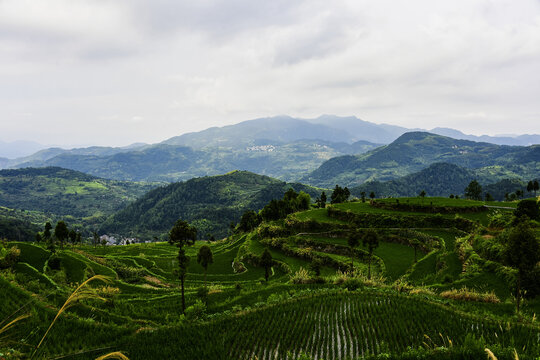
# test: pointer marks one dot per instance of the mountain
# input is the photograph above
(274, 130)
(37, 159)
(415, 151)
(58, 192)
(515, 140)
(362, 130)
(20, 148)
(210, 203)
(162, 162)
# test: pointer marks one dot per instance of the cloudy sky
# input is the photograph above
(114, 72)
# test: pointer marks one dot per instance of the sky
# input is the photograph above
(115, 72)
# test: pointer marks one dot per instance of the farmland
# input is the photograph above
(400, 312)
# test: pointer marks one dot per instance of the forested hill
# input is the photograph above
(415, 151)
(440, 179)
(64, 192)
(209, 203)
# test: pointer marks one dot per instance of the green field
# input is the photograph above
(340, 314)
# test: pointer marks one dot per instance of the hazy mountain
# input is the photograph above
(415, 151)
(210, 203)
(278, 129)
(362, 130)
(39, 157)
(287, 161)
(20, 148)
(516, 140)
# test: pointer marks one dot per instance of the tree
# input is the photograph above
(372, 195)
(353, 241)
(488, 197)
(47, 232)
(182, 234)
(95, 237)
(79, 238)
(38, 238)
(339, 195)
(323, 200)
(536, 187)
(371, 241)
(249, 221)
(205, 258)
(473, 191)
(522, 253)
(530, 186)
(422, 195)
(363, 196)
(519, 193)
(61, 232)
(529, 208)
(72, 236)
(266, 261)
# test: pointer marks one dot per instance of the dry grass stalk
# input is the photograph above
(113, 355)
(79, 294)
(490, 354)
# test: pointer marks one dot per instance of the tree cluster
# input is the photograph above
(340, 195)
(291, 202)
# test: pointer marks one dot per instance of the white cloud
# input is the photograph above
(184, 66)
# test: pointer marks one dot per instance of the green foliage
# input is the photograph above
(473, 191)
(340, 195)
(414, 151)
(214, 201)
(55, 192)
(529, 208)
(291, 202)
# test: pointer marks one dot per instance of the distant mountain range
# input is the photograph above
(281, 147)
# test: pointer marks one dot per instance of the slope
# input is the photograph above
(414, 151)
(62, 192)
(210, 203)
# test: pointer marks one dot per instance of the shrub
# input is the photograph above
(470, 295)
(301, 276)
(8, 257)
(352, 284)
(54, 262)
(196, 311)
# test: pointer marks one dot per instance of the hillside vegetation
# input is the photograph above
(415, 151)
(438, 287)
(210, 203)
(56, 192)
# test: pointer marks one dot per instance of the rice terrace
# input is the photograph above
(435, 289)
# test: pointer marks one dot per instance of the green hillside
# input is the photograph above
(441, 179)
(55, 192)
(409, 309)
(211, 203)
(415, 151)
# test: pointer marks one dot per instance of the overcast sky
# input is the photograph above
(112, 72)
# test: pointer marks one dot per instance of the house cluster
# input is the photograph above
(111, 240)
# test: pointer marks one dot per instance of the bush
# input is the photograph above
(54, 262)
(196, 311)
(352, 284)
(529, 208)
(9, 257)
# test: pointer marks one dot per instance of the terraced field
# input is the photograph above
(335, 315)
